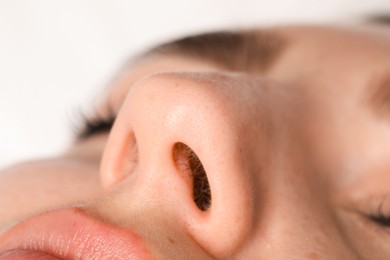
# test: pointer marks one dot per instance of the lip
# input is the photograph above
(71, 234)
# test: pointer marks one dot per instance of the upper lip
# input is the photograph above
(71, 233)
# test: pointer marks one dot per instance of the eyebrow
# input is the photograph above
(248, 51)
(380, 18)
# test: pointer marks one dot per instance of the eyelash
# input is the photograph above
(380, 219)
(88, 126)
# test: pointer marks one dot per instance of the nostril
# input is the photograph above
(189, 163)
(202, 192)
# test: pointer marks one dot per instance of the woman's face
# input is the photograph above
(289, 163)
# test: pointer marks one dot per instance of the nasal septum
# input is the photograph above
(188, 141)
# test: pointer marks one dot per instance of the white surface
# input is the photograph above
(57, 55)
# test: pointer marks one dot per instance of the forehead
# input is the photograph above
(300, 54)
(330, 50)
(330, 62)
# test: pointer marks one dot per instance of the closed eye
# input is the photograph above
(381, 220)
(89, 126)
(380, 217)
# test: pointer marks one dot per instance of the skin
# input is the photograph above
(296, 157)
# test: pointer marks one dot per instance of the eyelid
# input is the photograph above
(381, 208)
(376, 210)
(89, 126)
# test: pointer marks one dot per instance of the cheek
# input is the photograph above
(35, 186)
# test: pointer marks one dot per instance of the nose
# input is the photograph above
(179, 143)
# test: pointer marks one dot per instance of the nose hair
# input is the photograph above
(179, 136)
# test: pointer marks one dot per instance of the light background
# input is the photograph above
(55, 56)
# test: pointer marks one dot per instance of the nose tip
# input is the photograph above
(180, 135)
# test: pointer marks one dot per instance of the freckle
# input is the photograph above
(171, 240)
(313, 256)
